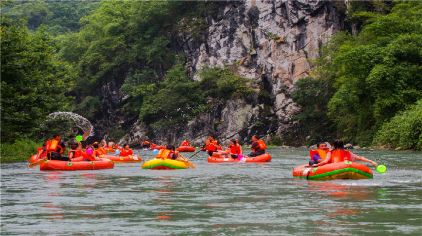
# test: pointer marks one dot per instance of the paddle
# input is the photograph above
(30, 165)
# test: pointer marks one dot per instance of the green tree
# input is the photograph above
(33, 81)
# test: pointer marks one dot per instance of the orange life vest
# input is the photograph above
(52, 145)
(163, 154)
(262, 144)
(340, 155)
(321, 152)
(235, 149)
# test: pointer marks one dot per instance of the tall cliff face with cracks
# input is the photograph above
(273, 44)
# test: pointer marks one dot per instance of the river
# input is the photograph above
(214, 199)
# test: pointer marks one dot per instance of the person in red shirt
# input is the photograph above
(126, 151)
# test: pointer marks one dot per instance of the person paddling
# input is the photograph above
(258, 146)
(339, 154)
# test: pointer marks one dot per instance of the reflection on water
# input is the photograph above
(213, 199)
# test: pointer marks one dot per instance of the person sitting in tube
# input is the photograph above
(340, 154)
(319, 154)
(258, 146)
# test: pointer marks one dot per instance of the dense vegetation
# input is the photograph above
(372, 77)
(72, 55)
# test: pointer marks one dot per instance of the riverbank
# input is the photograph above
(18, 151)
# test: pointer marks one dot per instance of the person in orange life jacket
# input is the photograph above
(169, 152)
(319, 154)
(55, 149)
(126, 151)
(235, 149)
(89, 154)
(75, 153)
(211, 145)
(258, 146)
(99, 151)
(339, 154)
(185, 143)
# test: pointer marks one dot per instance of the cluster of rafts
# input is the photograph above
(340, 170)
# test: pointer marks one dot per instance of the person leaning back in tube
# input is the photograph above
(320, 154)
(55, 149)
(258, 146)
(339, 154)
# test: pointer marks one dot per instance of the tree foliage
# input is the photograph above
(33, 80)
(376, 73)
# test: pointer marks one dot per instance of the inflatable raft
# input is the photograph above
(167, 164)
(340, 170)
(77, 165)
(126, 159)
(218, 158)
(186, 149)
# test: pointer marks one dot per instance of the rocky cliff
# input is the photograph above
(272, 43)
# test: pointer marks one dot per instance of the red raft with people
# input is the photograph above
(221, 158)
(76, 165)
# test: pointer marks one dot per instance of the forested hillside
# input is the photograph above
(132, 67)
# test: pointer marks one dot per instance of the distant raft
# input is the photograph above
(186, 149)
(218, 158)
(166, 164)
(125, 159)
(77, 165)
(339, 170)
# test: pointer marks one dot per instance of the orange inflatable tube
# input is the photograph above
(125, 159)
(218, 158)
(78, 165)
(186, 149)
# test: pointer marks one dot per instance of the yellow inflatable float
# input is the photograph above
(164, 164)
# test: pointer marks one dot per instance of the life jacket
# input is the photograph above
(262, 144)
(211, 146)
(110, 149)
(52, 145)
(321, 153)
(100, 151)
(185, 143)
(235, 149)
(76, 153)
(163, 154)
(340, 155)
(87, 157)
(125, 152)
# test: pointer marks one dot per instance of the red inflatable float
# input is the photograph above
(218, 158)
(155, 146)
(186, 149)
(338, 170)
(126, 159)
(78, 165)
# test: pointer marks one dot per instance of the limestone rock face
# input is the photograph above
(270, 42)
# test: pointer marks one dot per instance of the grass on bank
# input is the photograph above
(18, 151)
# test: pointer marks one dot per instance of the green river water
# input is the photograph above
(214, 199)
